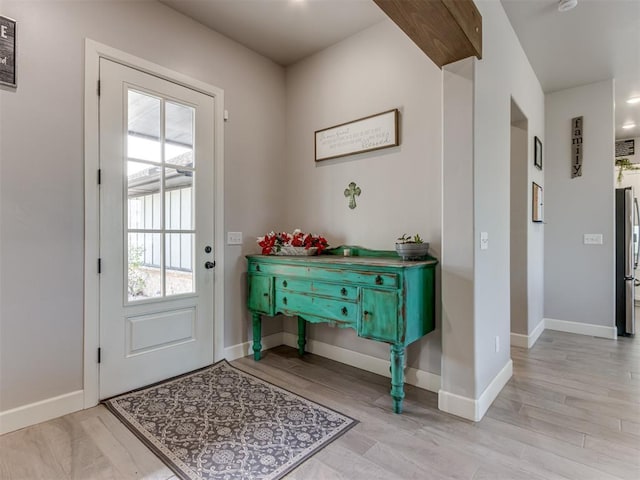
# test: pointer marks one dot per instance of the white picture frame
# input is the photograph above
(366, 134)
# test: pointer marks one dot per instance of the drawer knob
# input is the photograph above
(257, 268)
(284, 284)
(378, 280)
(284, 300)
(343, 292)
(365, 313)
(265, 294)
(344, 311)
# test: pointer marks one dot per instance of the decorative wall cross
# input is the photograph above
(352, 192)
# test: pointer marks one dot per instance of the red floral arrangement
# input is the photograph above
(272, 243)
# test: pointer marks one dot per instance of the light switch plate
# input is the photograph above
(234, 238)
(592, 239)
(484, 240)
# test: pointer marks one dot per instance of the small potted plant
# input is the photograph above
(411, 248)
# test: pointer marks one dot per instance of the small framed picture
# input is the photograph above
(537, 153)
(536, 203)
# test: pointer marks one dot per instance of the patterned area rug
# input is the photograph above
(222, 423)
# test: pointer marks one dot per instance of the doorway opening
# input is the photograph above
(519, 220)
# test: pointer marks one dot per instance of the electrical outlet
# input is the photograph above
(592, 239)
(234, 238)
(497, 344)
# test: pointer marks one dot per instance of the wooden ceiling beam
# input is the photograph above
(446, 30)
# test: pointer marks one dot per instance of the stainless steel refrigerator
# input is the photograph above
(626, 259)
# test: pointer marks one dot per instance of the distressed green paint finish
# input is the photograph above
(296, 268)
(379, 315)
(257, 335)
(397, 376)
(260, 289)
(290, 303)
(374, 292)
(332, 290)
(302, 335)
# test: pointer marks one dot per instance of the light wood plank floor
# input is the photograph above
(571, 411)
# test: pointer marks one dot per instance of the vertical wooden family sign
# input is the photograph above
(576, 147)
(7, 51)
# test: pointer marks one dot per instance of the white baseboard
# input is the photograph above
(457, 405)
(413, 376)
(493, 389)
(470, 408)
(581, 328)
(41, 411)
(243, 349)
(527, 341)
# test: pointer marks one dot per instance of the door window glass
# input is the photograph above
(160, 166)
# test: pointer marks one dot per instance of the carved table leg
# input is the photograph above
(397, 376)
(302, 335)
(257, 336)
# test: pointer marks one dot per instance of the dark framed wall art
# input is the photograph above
(537, 153)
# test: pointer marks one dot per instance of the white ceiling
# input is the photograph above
(597, 40)
(283, 30)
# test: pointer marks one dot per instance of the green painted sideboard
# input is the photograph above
(376, 293)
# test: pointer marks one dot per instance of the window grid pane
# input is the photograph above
(160, 199)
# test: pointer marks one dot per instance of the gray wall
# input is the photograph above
(504, 73)
(41, 173)
(579, 279)
(373, 71)
(458, 275)
(520, 218)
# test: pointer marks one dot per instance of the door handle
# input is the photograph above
(209, 265)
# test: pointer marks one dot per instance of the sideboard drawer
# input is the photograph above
(333, 290)
(298, 303)
(328, 274)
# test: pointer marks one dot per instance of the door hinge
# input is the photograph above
(99, 354)
(98, 87)
(99, 176)
(99, 265)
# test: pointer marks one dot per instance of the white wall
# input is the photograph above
(458, 274)
(373, 71)
(503, 73)
(581, 205)
(41, 173)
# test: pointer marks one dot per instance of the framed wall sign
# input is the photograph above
(363, 135)
(576, 147)
(537, 157)
(625, 148)
(536, 203)
(7, 51)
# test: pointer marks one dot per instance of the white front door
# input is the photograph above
(156, 229)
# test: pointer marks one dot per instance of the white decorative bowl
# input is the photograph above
(287, 250)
